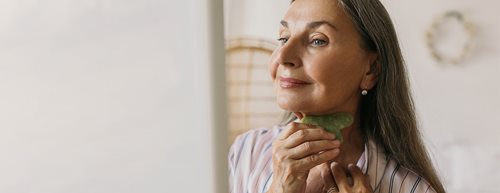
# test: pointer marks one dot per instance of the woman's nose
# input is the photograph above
(288, 54)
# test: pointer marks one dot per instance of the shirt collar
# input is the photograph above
(373, 162)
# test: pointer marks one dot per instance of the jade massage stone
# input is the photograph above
(333, 123)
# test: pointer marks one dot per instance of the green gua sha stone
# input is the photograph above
(333, 123)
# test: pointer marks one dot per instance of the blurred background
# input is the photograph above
(104, 96)
(458, 104)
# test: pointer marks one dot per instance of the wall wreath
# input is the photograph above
(466, 48)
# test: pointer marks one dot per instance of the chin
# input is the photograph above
(290, 104)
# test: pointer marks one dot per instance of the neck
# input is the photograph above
(352, 147)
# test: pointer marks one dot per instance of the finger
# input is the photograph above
(326, 175)
(367, 183)
(290, 129)
(312, 147)
(358, 177)
(360, 181)
(310, 134)
(312, 161)
(340, 177)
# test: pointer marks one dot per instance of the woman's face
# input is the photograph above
(320, 67)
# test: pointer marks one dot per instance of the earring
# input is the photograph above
(364, 92)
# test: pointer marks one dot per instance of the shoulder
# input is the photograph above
(252, 143)
(401, 179)
(250, 158)
(390, 176)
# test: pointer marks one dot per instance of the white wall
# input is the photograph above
(258, 18)
(457, 105)
(111, 96)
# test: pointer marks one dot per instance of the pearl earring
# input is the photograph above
(364, 92)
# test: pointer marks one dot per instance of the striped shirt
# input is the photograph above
(250, 166)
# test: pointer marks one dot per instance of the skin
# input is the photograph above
(321, 47)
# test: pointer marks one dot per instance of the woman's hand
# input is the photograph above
(359, 183)
(320, 179)
(296, 151)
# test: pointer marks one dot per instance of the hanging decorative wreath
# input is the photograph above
(466, 48)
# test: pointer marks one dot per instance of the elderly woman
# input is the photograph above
(336, 56)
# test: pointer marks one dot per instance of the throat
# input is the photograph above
(352, 148)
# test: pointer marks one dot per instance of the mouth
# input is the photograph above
(288, 82)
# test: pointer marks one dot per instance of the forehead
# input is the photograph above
(304, 11)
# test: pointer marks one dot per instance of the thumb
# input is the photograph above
(299, 115)
(340, 176)
(327, 176)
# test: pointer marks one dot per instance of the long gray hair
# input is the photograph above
(387, 113)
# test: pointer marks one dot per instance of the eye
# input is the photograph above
(282, 40)
(318, 42)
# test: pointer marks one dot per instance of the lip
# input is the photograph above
(292, 82)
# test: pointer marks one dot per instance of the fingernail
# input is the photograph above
(336, 143)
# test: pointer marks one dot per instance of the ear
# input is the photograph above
(371, 74)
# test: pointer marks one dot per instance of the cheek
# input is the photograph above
(322, 70)
(273, 66)
(335, 74)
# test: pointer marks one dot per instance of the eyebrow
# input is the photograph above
(312, 25)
